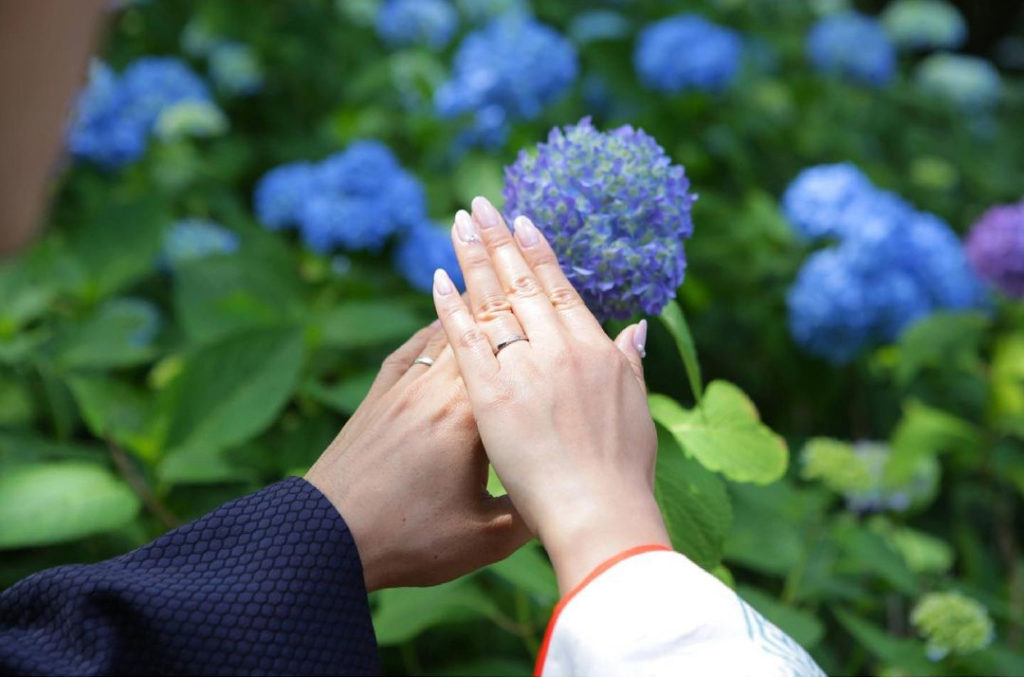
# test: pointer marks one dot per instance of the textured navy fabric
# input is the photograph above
(268, 584)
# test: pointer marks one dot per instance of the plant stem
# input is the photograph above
(138, 484)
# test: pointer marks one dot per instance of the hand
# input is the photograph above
(408, 474)
(563, 416)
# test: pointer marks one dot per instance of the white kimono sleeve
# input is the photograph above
(651, 611)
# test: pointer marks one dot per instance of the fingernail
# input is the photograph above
(485, 212)
(526, 232)
(640, 338)
(443, 283)
(465, 228)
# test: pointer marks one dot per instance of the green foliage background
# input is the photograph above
(134, 396)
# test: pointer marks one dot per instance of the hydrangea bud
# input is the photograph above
(952, 623)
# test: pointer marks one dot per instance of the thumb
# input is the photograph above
(632, 341)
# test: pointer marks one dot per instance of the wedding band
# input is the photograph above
(423, 359)
(509, 341)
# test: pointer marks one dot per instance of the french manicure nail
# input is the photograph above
(465, 228)
(526, 232)
(640, 338)
(443, 283)
(485, 212)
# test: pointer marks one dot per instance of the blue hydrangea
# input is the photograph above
(687, 52)
(235, 68)
(401, 23)
(853, 46)
(116, 115)
(509, 70)
(355, 199)
(615, 209)
(818, 197)
(970, 82)
(425, 248)
(193, 239)
(924, 24)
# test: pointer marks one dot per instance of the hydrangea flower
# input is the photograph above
(970, 82)
(425, 248)
(687, 52)
(193, 239)
(235, 68)
(852, 45)
(190, 119)
(482, 11)
(115, 115)
(615, 209)
(816, 200)
(355, 199)
(401, 23)
(880, 496)
(995, 247)
(952, 623)
(924, 24)
(598, 24)
(509, 70)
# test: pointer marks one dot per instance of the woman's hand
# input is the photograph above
(408, 474)
(563, 415)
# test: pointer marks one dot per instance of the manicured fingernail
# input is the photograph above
(443, 283)
(465, 228)
(640, 338)
(526, 232)
(485, 212)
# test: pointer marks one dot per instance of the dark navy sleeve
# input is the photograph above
(268, 584)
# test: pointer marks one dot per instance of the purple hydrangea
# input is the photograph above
(995, 247)
(687, 52)
(615, 209)
(854, 46)
(425, 248)
(355, 199)
(401, 23)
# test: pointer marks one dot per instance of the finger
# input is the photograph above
(518, 281)
(471, 347)
(491, 308)
(632, 341)
(432, 350)
(564, 297)
(397, 363)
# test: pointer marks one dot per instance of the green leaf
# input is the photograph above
(693, 502)
(905, 654)
(674, 320)
(803, 626)
(233, 389)
(529, 570)
(926, 432)
(344, 396)
(55, 502)
(199, 465)
(765, 534)
(359, 324)
(119, 333)
(725, 434)
(16, 405)
(403, 613)
(116, 410)
(940, 339)
(869, 553)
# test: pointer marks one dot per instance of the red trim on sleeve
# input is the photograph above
(600, 569)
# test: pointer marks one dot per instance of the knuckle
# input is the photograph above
(564, 298)
(545, 258)
(472, 338)
(492, 306)
(524, 286)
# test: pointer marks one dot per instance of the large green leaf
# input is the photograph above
(359, 324)
(233, 389)
(115, 410)
(119, 333)
(693, 502)
(869, 553)
(803, 626)
(403, 613)
(725, 434)
(925, 432)
(940, 339)
(50, 503)
(674, 320)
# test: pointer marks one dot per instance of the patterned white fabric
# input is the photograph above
(658, 613)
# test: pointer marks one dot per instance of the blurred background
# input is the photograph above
(218, 224)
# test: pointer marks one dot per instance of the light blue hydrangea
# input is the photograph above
(970, 82)
(235, 68)
(852, 46)
(597, 25)
(481, 11)
(509, 70)
(422, 250)
(402, 23)
(924, 24)
(194, 239)
(818, 197)
(687, 52)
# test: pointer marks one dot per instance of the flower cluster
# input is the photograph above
(970, 82)
(687, 52)
(615, 209)
(116, 115)
(995, 247)
(234, 68)
(481, 11)
(891, 265)
(853, 46)
(952, 623)
(355, 199)
(509, 70)
(424, 249)
(924, 24)
(194, 239)
(401, 23)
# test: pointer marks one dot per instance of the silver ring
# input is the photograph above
(509, 341)
(423, 359)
